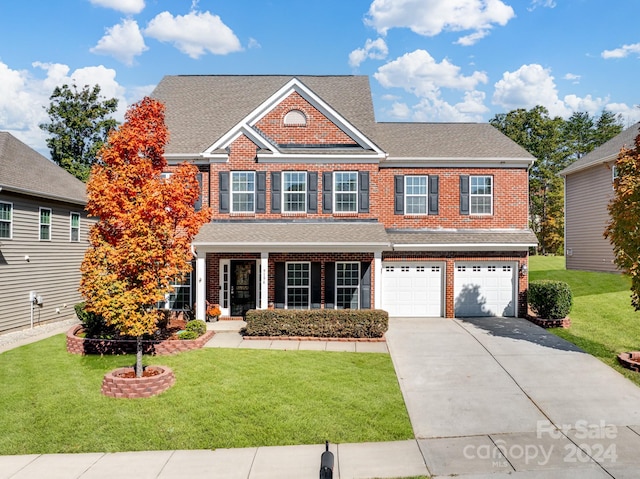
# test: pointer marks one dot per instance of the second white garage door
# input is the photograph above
(412, 289)
(485, 288)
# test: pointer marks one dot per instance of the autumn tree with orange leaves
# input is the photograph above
(142, 239)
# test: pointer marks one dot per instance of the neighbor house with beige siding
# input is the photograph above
(43, 237)
(588, 190)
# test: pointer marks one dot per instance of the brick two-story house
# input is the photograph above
(316, 205)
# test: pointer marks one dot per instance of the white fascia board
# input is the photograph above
(174, 158)
(464, 247)
(601, 161)
(256, 247)
(322, 159)
(262, 110)
(456, 162)
(237, 132)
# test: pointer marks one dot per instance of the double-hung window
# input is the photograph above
(45, 224)
(298, 285)
(74, 220)
(6, 220)
(348, 285)
(345, 191)
(180, 298)
(243, 192)
(294, 191)
(481, 195)
(416, 195)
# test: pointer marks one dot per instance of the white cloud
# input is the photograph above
(374, 49)
(24, 96)
(541, 3)
(572, 78)
(431, 17)
(123, 42)
(124, 6)
(438, 110)
(399, 111)
(621, 52)
(589, 104)
(253, 43)
(418, 73)
(194, 34)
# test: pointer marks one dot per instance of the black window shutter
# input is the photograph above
(398, 184)
(198, 204)
(363, 192)
(276, 194)
(223, 193)
(261, 191)
(316, 285)
(312, 192)
(279, 285)
(330, 285)
(365, 285)
(433, 194)
(464, 194)
(327, 192)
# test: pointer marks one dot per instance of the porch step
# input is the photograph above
(227, 326)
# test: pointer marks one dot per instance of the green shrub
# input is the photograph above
(320, 323)
(187, 335)
(197, 326)
(94, 325)
(550, 299)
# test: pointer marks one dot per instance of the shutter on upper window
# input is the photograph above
(327, 192)
(464, 194)
(261, 191)
(433, 194)
(398, 192)
(363, 192)
(276, 193)
(312, 192)
(223, 192)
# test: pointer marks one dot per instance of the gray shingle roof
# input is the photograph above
(24, 170)
(202, 108)
(463, 237)
(446, 140)
(606, 152)
(294, 234)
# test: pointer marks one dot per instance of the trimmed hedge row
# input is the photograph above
(319, 323)
(550, 299)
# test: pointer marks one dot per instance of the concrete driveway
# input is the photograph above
(504, 395)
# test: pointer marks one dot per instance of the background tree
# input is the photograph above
(142, 239)
(80, 123)
(623, 229)
(555, 143)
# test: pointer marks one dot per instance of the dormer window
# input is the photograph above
(295, 118)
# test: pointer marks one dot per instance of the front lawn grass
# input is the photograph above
(603, 322)
(50, 401)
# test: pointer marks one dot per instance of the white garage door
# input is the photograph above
(484, 288)
(411, 289)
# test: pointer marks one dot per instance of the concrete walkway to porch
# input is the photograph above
(228, 336)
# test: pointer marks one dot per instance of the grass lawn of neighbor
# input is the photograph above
(50, 401)
(603, 322)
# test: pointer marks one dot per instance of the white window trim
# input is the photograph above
(471, 195)
(232, 192)
(71, 213)
(176, 285)
(304, 193)
(336, 192)
(10, 221)
(349, 287)
(286, 283)
(41, 224)
(426, 195)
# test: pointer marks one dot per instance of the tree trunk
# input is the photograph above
(139, 357)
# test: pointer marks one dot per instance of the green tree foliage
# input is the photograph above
(555, 143)
(623, 229)
(80, 122)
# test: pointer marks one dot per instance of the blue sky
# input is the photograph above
(427, 60)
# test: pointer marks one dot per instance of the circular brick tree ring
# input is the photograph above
(116, 383)
(630, 360)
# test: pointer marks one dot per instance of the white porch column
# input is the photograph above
(264, 280)
(201, 288)
(377, 280)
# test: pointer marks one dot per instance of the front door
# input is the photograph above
(243, 286)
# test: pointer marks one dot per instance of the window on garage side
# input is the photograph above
(481, 195)
(298, 280)
(6, 220)
(294, 191)
(347, 285)
(45, 224)
(74, 224)
(415, 195)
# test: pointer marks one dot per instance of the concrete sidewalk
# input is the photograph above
(368, 460)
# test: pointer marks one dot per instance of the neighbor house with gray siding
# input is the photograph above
(43, 237)
(588, 190)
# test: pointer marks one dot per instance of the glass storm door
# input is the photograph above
(243, 287)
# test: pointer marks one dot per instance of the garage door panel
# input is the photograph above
(412, 289)
(485, 289)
